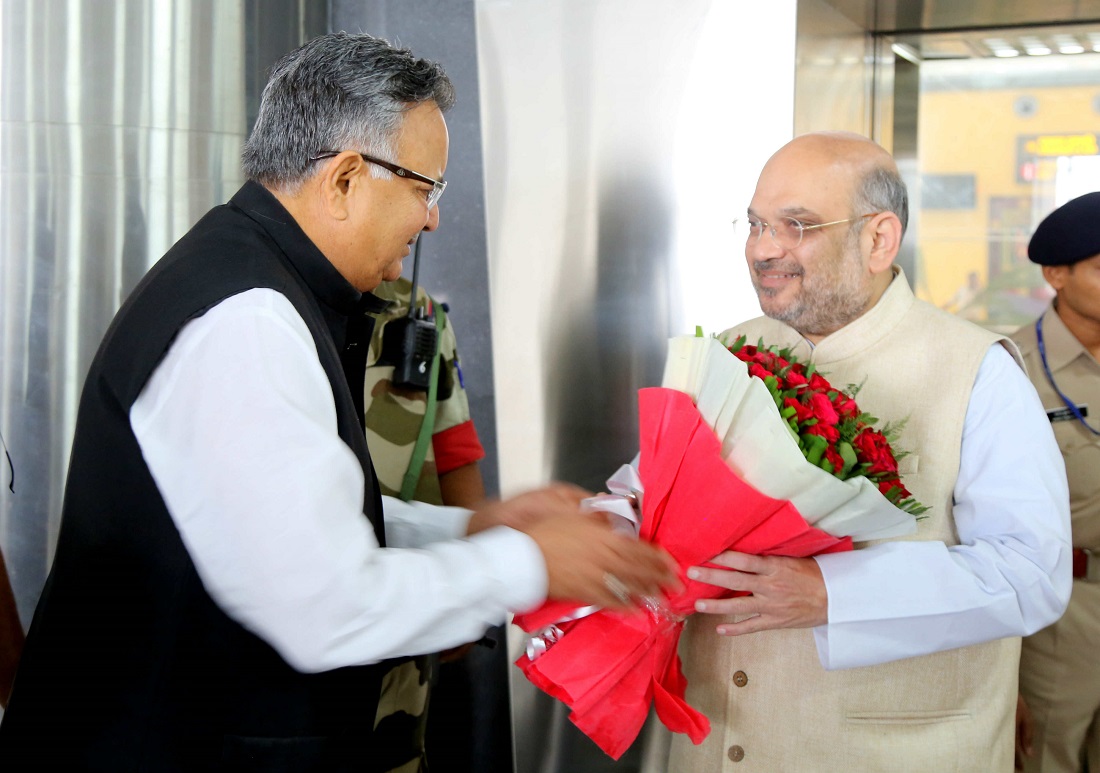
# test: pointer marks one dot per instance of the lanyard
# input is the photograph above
(1050, 377)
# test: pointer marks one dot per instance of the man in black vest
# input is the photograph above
(222, 597)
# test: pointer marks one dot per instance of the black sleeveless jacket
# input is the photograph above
(129, 665)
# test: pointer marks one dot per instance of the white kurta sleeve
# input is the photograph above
(1009, 576)
(238, 427)
(416, 524)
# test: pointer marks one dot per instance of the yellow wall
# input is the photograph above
(977, 132)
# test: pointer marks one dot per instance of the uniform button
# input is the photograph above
(736, 753)
(740, 678)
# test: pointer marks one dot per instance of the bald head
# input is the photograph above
(842, 146)
(850, 168)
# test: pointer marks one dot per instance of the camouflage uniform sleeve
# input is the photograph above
(453, 407)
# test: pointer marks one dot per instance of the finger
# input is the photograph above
(736, 606)
(651, 568)
(753, 624)
(616, 593)
(640, 577)
(724, 578)
(618, 588)
(742, 562)
(569, 493)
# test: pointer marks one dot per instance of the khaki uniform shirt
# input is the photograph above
(1059, 670)
(1077, 375)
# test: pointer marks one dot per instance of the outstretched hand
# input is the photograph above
(521, 511)
(785, 592)
(587, 561)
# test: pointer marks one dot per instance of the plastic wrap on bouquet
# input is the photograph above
(713, 481)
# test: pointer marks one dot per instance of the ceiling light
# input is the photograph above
(1068, 44)
(1034, 46)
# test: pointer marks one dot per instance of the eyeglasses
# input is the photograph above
(438, 186)
(788, 232)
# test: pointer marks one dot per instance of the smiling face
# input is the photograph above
(828, 280)
(422, 146)
(382, 218)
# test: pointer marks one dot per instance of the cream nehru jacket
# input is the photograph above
(772, 707)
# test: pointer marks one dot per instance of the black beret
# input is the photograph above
(1068, 234)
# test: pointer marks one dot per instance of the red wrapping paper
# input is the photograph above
(609, 667)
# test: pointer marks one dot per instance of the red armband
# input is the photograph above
(456, 447)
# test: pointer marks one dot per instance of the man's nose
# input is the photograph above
(763, 247)
(433, 219)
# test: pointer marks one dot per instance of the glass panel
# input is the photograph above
(1008, 128)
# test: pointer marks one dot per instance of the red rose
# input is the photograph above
(887, 487)
(768, 360)
(827, 431)
(795, 378)
(802, 413)
(845, 406)
(834, 459)
(873, 448)
(818, 383)
(759, 372)
(823, 408)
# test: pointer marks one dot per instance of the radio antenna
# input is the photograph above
(416, 274)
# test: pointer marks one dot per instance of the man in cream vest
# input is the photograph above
(899, 656)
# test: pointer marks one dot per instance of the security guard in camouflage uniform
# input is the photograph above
(1058, 728)
(449, 475)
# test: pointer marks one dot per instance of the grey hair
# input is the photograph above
(881, 190)
(337, 92)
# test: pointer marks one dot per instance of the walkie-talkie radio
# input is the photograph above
(410, 343)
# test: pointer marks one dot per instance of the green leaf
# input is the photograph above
(815, 447)
(848, 454)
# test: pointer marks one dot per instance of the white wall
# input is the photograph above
(621, 139)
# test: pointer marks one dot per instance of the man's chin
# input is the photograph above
(780, 312)
(393, 273)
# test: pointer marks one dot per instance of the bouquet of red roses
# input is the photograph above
(831, 430)
(720, 467)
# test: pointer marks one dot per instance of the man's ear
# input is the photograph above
(885, 233)
(341, 179)
(1055, 276)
